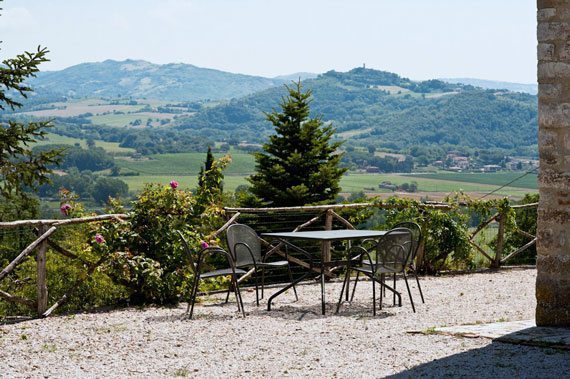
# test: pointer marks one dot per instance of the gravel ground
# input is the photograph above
(294, 339)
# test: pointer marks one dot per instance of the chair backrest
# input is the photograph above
(394, 249)
(189, 253)
(244, 244)
(416, 237)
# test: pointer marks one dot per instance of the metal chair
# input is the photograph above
(392, 252)
(410, 264)
(416, 241)
(197, 266)
(245, 246)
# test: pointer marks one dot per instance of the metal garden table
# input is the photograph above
(325, 237)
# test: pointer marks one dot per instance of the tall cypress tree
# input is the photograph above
(207, 166)
(300, 163)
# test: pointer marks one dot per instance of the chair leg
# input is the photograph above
(256, 289)
(394, 297)
(373, 297)
(398, 295)
(342, 291)
(409, 292)
(228, 294)
(354, 285)
(193, 297)
(382, 289)
(238, 295)
(262, 282)
(291, 280)
(419, 287)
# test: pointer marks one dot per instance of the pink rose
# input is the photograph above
(204, 245)
(99, 238)
(64, 209)
(173, 184)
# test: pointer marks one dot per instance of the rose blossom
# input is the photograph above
(64, 209)
(173, 184)
(204, 245)
(99, 238)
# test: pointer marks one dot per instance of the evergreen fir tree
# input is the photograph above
(300, 164)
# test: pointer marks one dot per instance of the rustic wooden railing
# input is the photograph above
(44, 229)
(498, 258)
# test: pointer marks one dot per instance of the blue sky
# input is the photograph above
(420, 39)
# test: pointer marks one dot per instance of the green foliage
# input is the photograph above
(19, 166)
(88, 186)
(147, 255)
(299, 164)
(93, 158)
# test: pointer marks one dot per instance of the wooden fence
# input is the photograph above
(44, 229)
(314, 216)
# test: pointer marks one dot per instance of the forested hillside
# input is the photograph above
(384, 110)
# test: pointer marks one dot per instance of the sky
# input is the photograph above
(418, 39)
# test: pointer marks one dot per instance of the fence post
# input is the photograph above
(500, 242)
(41, 256)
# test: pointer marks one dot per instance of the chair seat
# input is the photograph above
(222, 272)
(367, 269)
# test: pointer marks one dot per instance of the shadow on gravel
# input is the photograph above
(497, 360)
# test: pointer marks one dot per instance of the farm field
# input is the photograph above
(111, 147)
(185, 164)
(94, 106)
(435, 189)
(494, 178)
(137, 183)
(369, 182)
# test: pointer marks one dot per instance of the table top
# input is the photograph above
(328, 235)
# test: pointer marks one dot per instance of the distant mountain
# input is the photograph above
(297, 76)
(384, 110)
(141, 79)
(531, 88)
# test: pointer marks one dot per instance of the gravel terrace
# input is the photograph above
(293, 340)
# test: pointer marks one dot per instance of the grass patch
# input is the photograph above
(111, 147)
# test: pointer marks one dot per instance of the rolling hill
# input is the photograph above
(140, 79)
(384, 110)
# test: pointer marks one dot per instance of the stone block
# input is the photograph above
(545, 14)
(555, 215)
(545, 51)
(547, 139)
(564, 51)
(552, 31)
(554, 179)
(553, 70)
(552, 316)
(549, 91)
(554, 115)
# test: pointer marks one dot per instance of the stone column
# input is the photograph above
(553, 246)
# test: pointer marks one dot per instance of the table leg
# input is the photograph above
(323, 287)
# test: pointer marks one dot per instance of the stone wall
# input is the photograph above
(553, 262)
